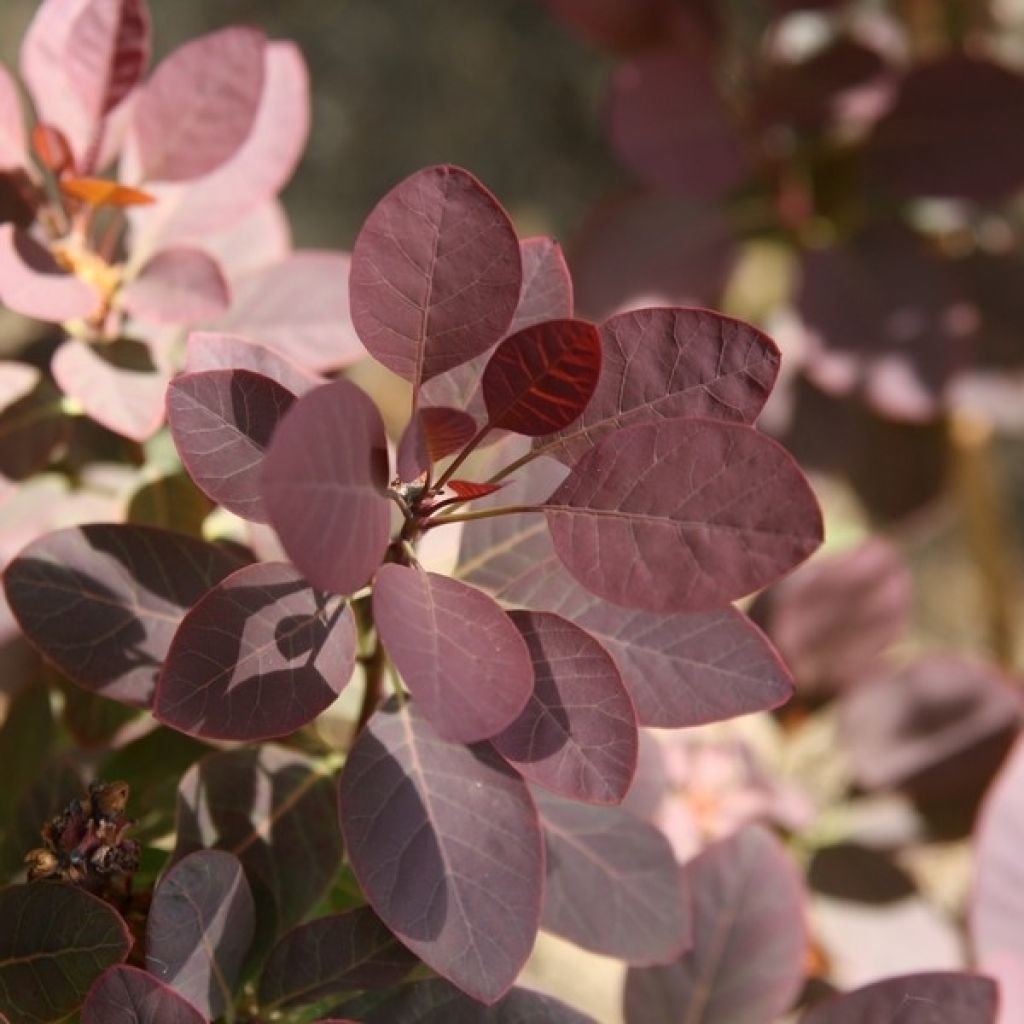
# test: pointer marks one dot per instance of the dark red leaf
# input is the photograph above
(332, 955)
(465, 663)
(468, 901)
(56, 940)
(436, 274)
(33, 284)
(663, 363)
(178, 286)
(936, 998)
(102, 602)
(577, 735)
(127, 995)
(433, 433)
(211, 351)
(325, 498)
(52, 147)
(199, 928)
(613, 884)
(468, 490)
(222, 422)
(540, 380)
(260, 655)
(199, 105)
(749, 940)
(700, 512)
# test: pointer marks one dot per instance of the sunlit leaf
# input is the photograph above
(213, 351)
(177, 286)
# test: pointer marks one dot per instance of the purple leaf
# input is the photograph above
(749, 936)
(211, 351)
(436, 1002)
(321, 495)
(299, 309)
(33, 284)
(436, 274)
(540, 379)
(546, 292)
(260, 655)
(432, 434)
(935, 998)
(199, 929)
(118, 383)
(13, 146)
(332, 955)
(613, 884)
(273, 809)
(222, 422)
(445, 843)
(701, 512)
(667, 363)
(178, 286)
(199, 105)
(672, 127)
(127, 995)
(102, 602)
(465, 663)
(56, 940)
(577, 736)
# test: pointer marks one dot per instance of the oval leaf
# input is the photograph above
(577, 735)
(322, 496)
(432, 434)
(222, 422)
(613, 885)
(33, 284)
(199, 105)
(213, 351)
(468, 901)
(102, 602)
(199, 929)
(466, 665)
(126, 995)
(749, 936)
(56, 940)
(436, 274)
(178, 286)
(259, 656)
(700, 512)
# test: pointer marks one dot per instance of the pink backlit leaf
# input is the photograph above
(222, 422)
(208, 350)
(260, 655)
(613, 884)
(465, 663)
(199, 105)
(128, 995)
(700, 512)
(326, 499)
(178, 286)
(577, 735)
(259, 239)
(13, 143)
(436, 274)
(468, 903)
(33, 284)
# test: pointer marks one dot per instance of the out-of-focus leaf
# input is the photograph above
(127, 995)
(618, 24)
(33, 284)
(25, 739)
(33, 428)
(178, 286)
(171, 502)
(100, 192)
(212, 351)
(92, 720)
(13, 144)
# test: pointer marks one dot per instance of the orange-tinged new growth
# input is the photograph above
(99, 192)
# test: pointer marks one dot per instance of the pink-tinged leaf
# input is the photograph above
(935, 998)
(260, 655)
(178, 286)
(272, 808)
(102, 602)
(56, 940)
(468, 490)
(332, 955)
(672, 127)
(663, 363)
(577, 735)
(437, 1002)
(107, 53)
(259, 239)
(540, 379)
(212, 351)
(613, 884)
(325, 497)
(951, 132)
(33, 284)
(33, 428)
(617, 24)
(467, 666)
(13, 144)
(222, 422)
(127, 995)
(749, 940)
(700, 512)
(547, 285)
(298, 308)
(199, 929)
(436, 274)
(432, 434)
(468, 902)
(119, 384)
(199, 105)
